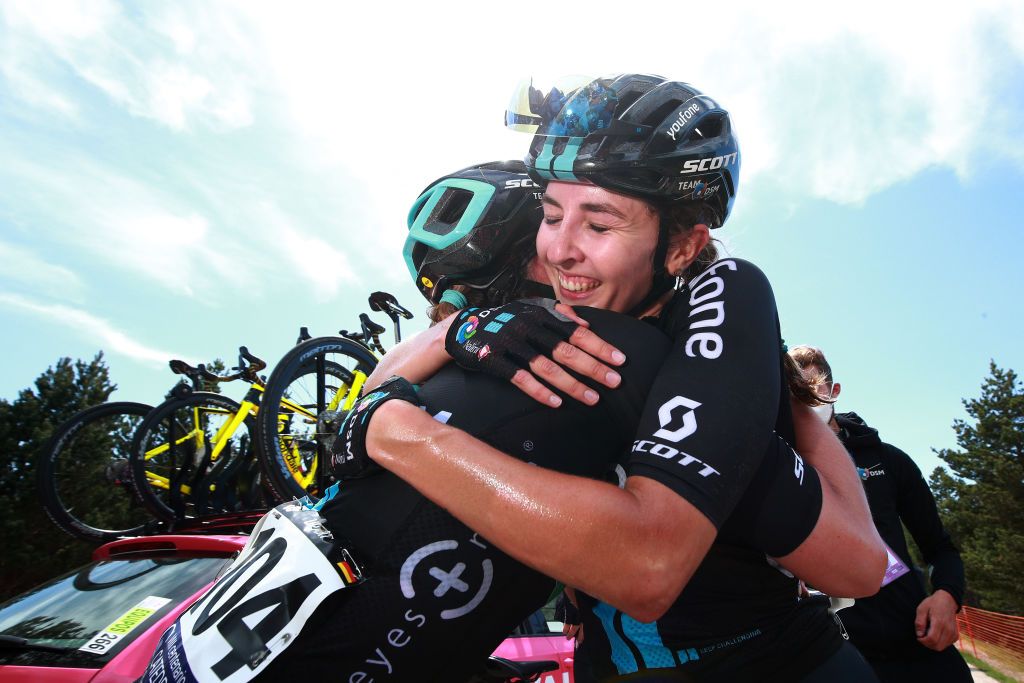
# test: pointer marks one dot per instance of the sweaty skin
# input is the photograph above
(657, 536)
(526, 512)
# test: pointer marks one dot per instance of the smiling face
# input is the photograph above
(596, 246)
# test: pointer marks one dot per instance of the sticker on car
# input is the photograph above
(110, 636)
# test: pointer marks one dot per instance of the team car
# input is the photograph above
(102, 622)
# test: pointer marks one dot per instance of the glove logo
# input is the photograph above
(665, 417)
(467, 330)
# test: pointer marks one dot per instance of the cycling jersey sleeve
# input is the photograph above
(780, 507)
(712, 410)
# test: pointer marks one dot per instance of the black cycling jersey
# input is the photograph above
(716, 402)
(438, 598)
(707, 428)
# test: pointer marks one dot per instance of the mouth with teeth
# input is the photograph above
(577, 284)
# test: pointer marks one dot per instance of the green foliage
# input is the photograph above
(217, 367)
(34, 549)
(981, 498)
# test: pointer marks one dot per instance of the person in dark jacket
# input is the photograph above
(904, 633)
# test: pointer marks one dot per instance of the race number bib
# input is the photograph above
(290, 565)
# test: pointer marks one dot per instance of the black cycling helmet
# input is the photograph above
(466, 228)
(636, 134)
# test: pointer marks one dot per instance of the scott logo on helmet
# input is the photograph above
(684, 116)
(516, 182)
(709, 164)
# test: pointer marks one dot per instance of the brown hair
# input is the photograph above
(490, 296)
(680, 220)
(804, 357)
(474, 297)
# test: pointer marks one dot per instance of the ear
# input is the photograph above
(836, 388)
(684, 249)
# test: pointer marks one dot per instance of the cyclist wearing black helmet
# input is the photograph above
(619, 157)
(417, 615)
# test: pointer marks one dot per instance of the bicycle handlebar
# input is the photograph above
(255, 364)
(371, 331)
(248, 367)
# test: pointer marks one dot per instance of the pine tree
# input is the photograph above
(34, 549)
(981, 499)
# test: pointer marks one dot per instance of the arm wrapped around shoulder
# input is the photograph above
(349, 459)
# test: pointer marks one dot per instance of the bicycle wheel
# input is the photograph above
(187, 460)
(307, 394)
(83, 474)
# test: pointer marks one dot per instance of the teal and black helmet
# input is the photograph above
(637, 134)
(474, 227)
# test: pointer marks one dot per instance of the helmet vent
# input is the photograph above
(663, 112)
(448, 211)
(710, 127)
(626, 100)
(663, 117)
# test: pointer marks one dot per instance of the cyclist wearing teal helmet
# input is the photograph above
(475, 228)
(659, 157)
(402, 622)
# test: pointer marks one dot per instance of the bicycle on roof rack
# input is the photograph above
(110, 469)
(83, 472)
(323, 376)
(193, 454)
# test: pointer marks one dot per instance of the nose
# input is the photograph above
(564, 246)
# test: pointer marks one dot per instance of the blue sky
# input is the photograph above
(179, 179)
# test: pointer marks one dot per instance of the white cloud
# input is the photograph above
(147, 60)
(834, 103)
(95, 330)
(841, 106)
(34, 90)
(309, 262)
(23, 266)
(126, 223)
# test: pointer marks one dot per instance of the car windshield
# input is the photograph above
(96, 611)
